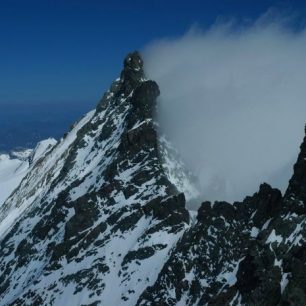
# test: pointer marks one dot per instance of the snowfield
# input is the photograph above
(12, 171)
(15, 166)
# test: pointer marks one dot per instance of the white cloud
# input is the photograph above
(233, 101)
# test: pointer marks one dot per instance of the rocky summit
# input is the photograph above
(100, 218)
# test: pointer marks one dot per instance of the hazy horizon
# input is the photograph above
(25, 125)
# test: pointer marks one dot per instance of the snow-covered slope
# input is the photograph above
(99, 219)
(12, 171)
(14, 166)
(41, 149)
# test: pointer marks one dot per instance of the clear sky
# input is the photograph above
(68, 51)
(57, 57)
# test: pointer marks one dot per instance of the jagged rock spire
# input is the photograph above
(133, 62)
(131, 76)
(132, 73)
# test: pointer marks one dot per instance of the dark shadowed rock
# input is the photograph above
(295, 195)
(132, 73)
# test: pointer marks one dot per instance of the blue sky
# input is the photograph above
(58, 57)
(68, 52)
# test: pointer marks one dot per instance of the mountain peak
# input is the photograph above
(131, 76)
(133, 61)
(103, 211)
(132, 73)
(98, 205)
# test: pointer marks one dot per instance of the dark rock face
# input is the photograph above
(132, 73)
(296, 192)
(144, 99)
(101, 223)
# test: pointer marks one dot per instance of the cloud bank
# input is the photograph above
(233, 101)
